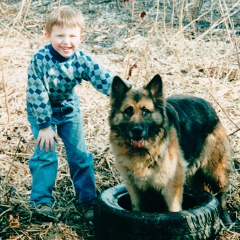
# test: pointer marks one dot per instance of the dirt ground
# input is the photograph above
(196, 54)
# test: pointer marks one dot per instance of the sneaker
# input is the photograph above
(87, 213)
(45, 212)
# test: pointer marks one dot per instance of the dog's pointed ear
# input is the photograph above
(155, 86)
(119, 88)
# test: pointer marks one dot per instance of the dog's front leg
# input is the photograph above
(173, 197)
(134, 197)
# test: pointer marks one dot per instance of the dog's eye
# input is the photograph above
(146, 112)
(128, 111)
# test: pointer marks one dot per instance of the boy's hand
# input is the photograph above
(46, 136)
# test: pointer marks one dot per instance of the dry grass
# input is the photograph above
(191, 59)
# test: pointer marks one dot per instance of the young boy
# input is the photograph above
(53, 106)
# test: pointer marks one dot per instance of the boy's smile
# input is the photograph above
(65, 40)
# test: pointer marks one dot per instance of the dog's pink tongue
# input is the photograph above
(137, 143)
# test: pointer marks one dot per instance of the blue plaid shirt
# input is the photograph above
(52, 78)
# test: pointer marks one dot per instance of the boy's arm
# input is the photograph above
(37, 95)
(100, 77)
(39, 104)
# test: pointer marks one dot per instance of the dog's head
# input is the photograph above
(137, 114)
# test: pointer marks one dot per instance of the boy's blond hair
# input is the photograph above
(64, 16)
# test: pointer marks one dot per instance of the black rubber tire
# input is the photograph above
(114, 222)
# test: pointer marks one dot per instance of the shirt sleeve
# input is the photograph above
(37, 95)
(100, 77)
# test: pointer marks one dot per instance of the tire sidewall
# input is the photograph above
(114, 222)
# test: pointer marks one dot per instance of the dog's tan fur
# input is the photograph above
(164, 169)
(160, 163)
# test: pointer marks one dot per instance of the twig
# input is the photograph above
(180, 14)
(227, 13)
(173, 12)
(157, 13)
(28, 34)
(15, 21)
(220, 21)
(164, 14)
(7, 210)
(233, 32)
(193, 15)
(9, 170)
(235, 42)
(212, 14)
(183, 29)
(234, 132)
(130, 38)
(224, 111)
(29, 4)
(6, 100)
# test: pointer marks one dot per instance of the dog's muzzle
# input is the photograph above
(137, 135)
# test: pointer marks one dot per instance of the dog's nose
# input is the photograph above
(137, 131)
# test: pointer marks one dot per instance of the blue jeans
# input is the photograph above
(44, 165)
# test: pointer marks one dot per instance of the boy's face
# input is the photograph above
(65, 40)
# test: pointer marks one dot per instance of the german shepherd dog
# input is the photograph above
(164, 144)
